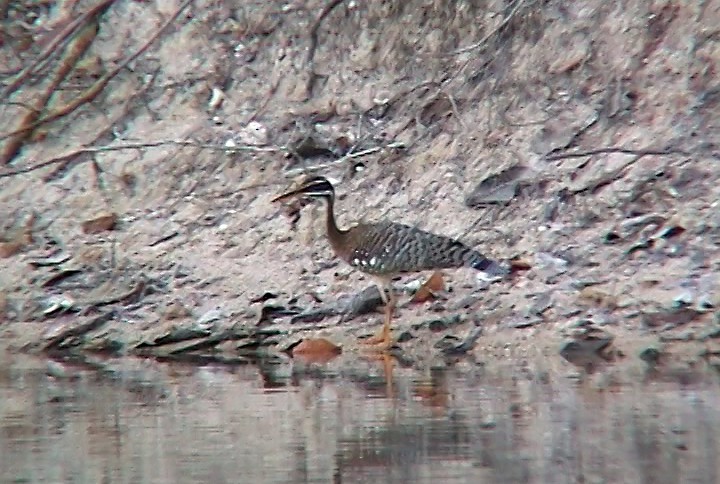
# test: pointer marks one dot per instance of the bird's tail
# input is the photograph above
(489, 267)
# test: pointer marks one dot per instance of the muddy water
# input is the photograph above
(141, 421)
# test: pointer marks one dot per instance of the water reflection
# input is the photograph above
(137, 420)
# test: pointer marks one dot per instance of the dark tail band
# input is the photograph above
(490, 267)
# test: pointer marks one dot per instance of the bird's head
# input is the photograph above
(314, 187)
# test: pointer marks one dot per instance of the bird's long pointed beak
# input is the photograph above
(281, 197)
(285, 196)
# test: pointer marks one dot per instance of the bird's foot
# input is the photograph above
(381, 341)
(377, 343)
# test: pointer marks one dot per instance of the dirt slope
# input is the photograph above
(579, 139)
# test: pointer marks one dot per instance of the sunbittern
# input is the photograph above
(386, 249)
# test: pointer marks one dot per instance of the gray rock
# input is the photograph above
(651, 354)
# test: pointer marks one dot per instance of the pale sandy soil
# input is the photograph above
(621, 245)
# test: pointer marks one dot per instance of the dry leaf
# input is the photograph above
(597, 297)
(316, 350)
(175, 310)
(428, 290)
(17, 239)
(433, 396)
(100, 224)
(3, 307)
(9, 249)
(519, 264)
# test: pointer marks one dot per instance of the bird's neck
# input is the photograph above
(334, 233)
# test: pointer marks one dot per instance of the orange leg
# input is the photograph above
(388, 363)
(383, 339)
(385, 332)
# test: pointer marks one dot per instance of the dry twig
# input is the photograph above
(135, 146)
(503, 24)
(314, 40)
(614, 149)
(342, 159)
(76, 48)
(52, 48)
(99, 85)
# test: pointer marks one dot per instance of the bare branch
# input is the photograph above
(314, 40)
(135, 146)
(52, 48)
(96, 88)
(342, 159)
(76, 48)
(483, 41)
(612, 149)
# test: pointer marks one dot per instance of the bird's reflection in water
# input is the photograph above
(356, 418)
